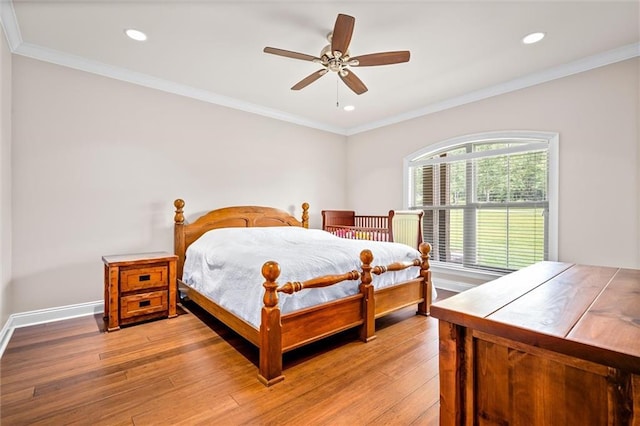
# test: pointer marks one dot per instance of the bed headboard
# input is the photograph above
(228, 217)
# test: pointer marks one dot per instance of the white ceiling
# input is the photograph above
(212, 50)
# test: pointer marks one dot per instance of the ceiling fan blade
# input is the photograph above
(289, 54)
(309, 79)
(353, 82)
(383, 58)
(342, 32)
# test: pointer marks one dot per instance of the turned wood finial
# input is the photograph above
(305, 215)
(270, 272)
(366, 257)
(425, 249)
(179, 217)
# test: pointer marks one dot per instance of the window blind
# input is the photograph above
(486, 203)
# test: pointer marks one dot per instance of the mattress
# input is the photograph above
(225, 265)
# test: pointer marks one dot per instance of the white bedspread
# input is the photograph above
(225, 265)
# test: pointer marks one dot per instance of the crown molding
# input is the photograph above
(123, 74)
(565, 70)
(12, 32)
(9, 23)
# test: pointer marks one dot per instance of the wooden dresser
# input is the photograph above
(552, 344)
(139, 287)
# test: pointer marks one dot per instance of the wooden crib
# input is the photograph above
(401, 226)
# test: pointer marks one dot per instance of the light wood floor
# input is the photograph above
(193, 370)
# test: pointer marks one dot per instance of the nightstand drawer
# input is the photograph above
(143, 278)
(143, 304)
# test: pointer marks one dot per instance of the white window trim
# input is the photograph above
(552, 138)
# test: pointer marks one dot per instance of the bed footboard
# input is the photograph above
(273, 341)
(280, 333)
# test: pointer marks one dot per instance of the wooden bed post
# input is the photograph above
(305, 215)
(368, 330)
(270, 371)
(425, 273)
(178, 236)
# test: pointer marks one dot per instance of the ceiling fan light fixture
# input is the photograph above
(136, 35)
(335, 65)
(533, 38)
(335, 57)
(349, 108)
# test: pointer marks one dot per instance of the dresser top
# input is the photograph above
(592, 311)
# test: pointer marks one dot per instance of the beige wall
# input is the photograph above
(5, 181)
(596, 115)
(98, 163)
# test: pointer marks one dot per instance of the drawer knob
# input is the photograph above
(144, 277)
(144, 303)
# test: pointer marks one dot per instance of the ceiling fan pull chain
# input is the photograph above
(337, 89)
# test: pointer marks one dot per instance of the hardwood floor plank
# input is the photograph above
(113, 408)
(327, 366)
(430, 417)
(193, 370)
(366, 408)
(410, 408)
(333, 378)
(75, 409)
(193, 408)
(17, 396)
(332, 395)
(423, 351)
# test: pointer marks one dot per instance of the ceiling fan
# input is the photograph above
(336, 57)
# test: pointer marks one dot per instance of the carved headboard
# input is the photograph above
(228, 217)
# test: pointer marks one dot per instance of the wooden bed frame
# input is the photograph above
(404, 226)
(279, 333)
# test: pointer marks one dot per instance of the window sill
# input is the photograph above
(459, 279)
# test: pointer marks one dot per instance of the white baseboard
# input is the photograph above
(452, 285)
(5, 335)
(42, 316)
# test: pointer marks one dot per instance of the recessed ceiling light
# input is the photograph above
(532, 38)
(135, 35)
(349, 108)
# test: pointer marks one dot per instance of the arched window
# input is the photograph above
(489, 200)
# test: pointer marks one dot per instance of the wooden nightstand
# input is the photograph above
(139, 287)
